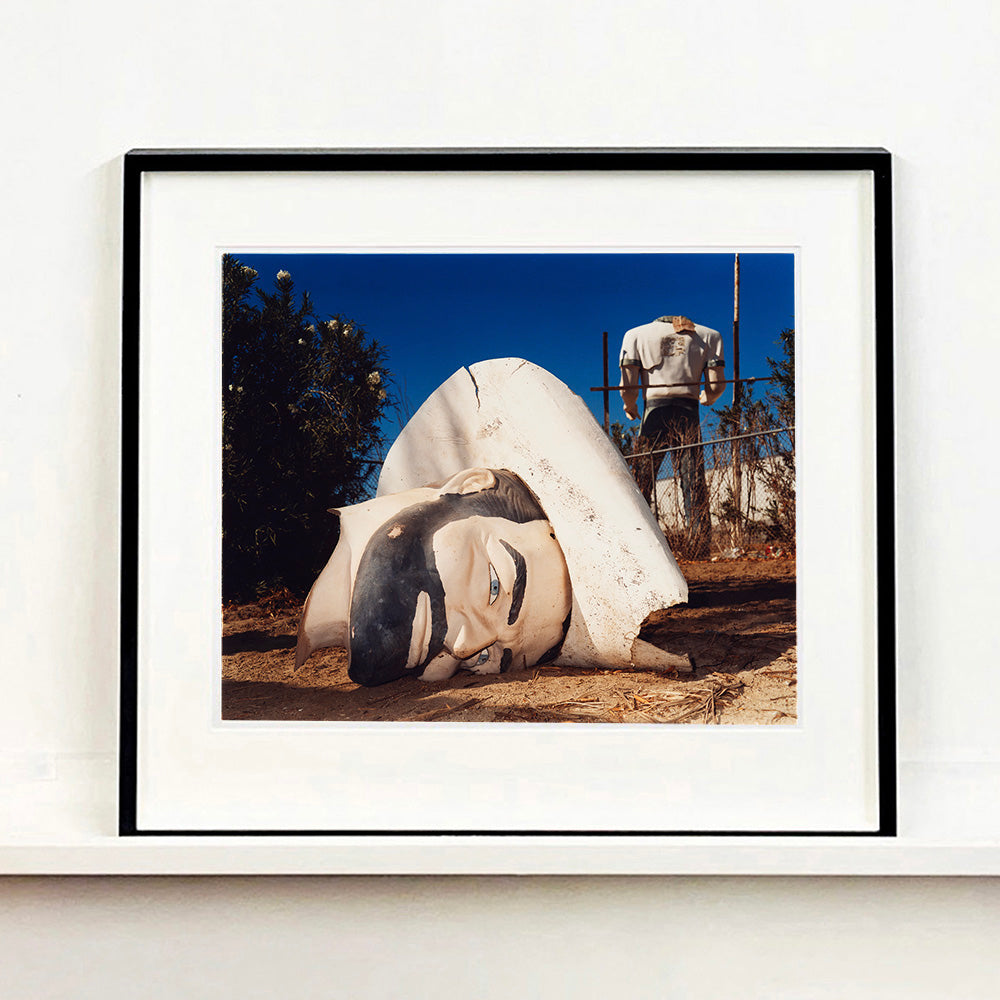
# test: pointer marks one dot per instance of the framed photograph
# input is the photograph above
(508, 493)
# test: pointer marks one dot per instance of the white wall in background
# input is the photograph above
(81, 85)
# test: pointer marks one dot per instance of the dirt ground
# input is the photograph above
(739, 625)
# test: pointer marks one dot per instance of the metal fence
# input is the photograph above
(725, 495)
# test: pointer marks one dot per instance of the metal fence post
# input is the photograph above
(607, 404)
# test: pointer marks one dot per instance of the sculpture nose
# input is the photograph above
(473, 634)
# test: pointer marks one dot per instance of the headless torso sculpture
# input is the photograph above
(668, 359)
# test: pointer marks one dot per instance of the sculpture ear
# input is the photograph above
(469, 481)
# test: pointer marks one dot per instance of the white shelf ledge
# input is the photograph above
(498, 855)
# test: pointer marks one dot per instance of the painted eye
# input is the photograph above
(494, 584)
(479, 659)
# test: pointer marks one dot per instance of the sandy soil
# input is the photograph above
(739, 625)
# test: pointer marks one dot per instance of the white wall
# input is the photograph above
(259, 939)
(82, 84)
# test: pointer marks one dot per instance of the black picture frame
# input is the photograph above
(138, 163)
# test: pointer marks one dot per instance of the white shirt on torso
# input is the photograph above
(668, 357)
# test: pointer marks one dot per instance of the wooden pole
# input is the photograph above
(737, 404)
(737, 390)
(654, 495)
(607, 403)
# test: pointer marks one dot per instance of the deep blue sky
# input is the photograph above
(437, 312)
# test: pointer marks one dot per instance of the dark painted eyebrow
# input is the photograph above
(520, 581)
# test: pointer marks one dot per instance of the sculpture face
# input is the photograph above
(507, 595)
(472, 580)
